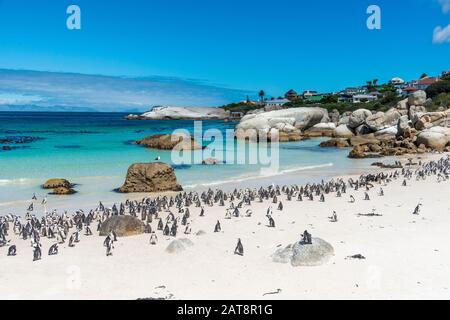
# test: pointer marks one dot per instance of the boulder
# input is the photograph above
(334, 116)
(343, 131)
(404, 127)
(363, 140)
(381, 120)
(432, 139)
(344, 120)
(363, 130)
(428, 120)
(170, 142)
(390, 131)
(321, 130)
(57, 183)
(335, 142)
(179, 245)
(63, 191)
(417, 98)
(150, 177)
(403, 104)
(290, 121)
(358, 118)
(123, 226)
(317, 253)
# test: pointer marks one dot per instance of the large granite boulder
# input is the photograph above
(290, 121)
(403, 104)
(57, 183)
(170, 142)
(436, 138)
(317, 253)
(343, 131)
(417, 98)
(335, 142)
(334, 116)
(182, 113)
(404, 127)
(123, 226)
(381, 120)
(358, 118)
(150, 177)
(63, 191)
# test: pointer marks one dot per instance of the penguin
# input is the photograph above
(37, 253)
(218, 227)
(352, 199)
(53, 250)
(417, 209)
(12, 251)
(271, 222)
(153, 239)
(239, 250)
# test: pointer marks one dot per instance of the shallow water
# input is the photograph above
(94, 150)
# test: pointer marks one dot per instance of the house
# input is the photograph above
(424, 83)
(361, 98)
(345, 98)
(309, 93)
(275, 104)
(353, 91)
(236, 115)
(291, 95)
(397, 81)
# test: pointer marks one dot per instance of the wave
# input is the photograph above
(4, 182)
(259, 176)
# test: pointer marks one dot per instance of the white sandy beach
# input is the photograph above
(407, 256)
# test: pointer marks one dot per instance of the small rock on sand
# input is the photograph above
(315, 254)
(180, 245)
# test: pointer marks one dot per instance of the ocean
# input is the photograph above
(94, 151)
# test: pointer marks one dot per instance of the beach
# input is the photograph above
(405, 255)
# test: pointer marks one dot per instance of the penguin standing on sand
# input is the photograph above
(12, 251)
(239, 248)
(53, 251)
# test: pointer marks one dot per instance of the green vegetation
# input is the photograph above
(243, 107)
(441, 100)
(442, 86)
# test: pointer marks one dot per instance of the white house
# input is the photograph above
(359, 98)
(397, 81)
(275, 104)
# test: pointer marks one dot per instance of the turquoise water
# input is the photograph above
(94, 151)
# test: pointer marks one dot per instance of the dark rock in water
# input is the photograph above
(68, 147)
(10, 148)
(298, 254)
(181, 166)
(57, 183)
(19, 139)
(387, 166)
(63, 191)
(123, 226)
(150, 177)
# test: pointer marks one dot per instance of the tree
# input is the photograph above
(369, 83)
(375, 82)
(424, 75)
(442, 86)
(261, 95)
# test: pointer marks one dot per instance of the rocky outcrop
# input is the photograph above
(428, 120)
(169, 142)
(182, 113)
(289, 122)
(417, 98)
(150, 177)
(336, 142)
(343, 131)
(317, 253)
(63, 191)
(436, 138)
(123, 226)
(57, 183)
(321, 130)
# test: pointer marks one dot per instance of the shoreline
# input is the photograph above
(209, 270)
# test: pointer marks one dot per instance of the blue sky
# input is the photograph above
(233, 44)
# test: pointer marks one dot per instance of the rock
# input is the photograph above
(321, 130)
(345, 120)
(432, 139)
(150, 177)
(123, 226)
(57, 183)
(417, 98)
(63, 191)
(428, 120)
(297, 254)
(404, 127)
(381, 120)
(170, 142)
(289, 121)
(358, 117)
(336, 142)
(211, 162)
(364, 140)
(180, 245)
(343, 131)
(391, 131)
(334, 116)
(200, 233)
(363, 130)
(182, 113)
(403, 104)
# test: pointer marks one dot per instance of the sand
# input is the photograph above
(406, 255)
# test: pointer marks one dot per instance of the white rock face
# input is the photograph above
(381, 120)
(180, 113)
(389, 131)
(287, 119)
(343, 131)
(436, 138)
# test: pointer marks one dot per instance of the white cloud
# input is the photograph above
(441, 35)
(445, 5)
